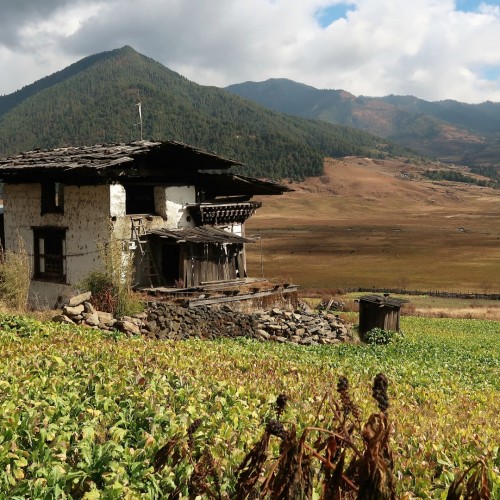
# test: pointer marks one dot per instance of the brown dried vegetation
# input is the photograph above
(338, 455)
(363, 224)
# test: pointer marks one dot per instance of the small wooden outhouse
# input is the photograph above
(377, 311)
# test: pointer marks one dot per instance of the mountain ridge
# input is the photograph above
(94, 101)
(448, 129)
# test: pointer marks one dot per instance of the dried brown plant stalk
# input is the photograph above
(350, 461)
(475, 488)
(354, 461)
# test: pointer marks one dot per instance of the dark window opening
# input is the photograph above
(52, 197)
(170, 262)
(49, 252)
(140, 200)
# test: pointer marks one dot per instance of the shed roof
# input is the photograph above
(383, 300)
(203, 234)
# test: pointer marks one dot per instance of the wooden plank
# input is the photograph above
(244, 281)
(220, 300)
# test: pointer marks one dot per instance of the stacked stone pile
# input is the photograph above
(166, 321)
(302, 328)
(169, 321)
(80, 311)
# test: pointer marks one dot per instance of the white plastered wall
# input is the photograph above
(170, 203)
(117, 198)
(86, 218)
(91, 215)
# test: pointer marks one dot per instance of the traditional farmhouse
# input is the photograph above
(177, 210)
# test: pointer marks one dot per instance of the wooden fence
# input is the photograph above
(433, 293)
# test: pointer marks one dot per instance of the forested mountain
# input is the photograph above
(94, 101)
(483, 118)
(449, 130)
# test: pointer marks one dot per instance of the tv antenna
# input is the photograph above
(139, 107)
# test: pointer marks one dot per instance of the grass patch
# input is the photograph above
(15, 275)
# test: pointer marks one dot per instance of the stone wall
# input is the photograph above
(166, 321)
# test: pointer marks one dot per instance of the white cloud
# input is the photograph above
(63, 23)
(427, 48)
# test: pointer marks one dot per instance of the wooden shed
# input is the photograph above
(377, 311)
(193, 255)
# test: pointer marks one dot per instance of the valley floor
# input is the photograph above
(379, 223)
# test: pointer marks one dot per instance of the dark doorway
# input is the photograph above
(170, 263)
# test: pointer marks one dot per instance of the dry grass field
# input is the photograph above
(378, 223)
(419, 305)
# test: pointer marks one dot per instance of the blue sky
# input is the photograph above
(472, 5)
(432, 49)
(328, 15)
(491, 73)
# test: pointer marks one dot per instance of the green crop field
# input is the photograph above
(83, 414)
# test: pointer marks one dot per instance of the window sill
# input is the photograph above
(46, 279)
(54, 212)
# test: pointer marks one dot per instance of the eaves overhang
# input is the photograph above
(200, 235)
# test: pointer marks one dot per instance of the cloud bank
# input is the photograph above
(433, 49)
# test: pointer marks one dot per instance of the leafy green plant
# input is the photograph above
(22, 326)
(380, 336)
(83, 412)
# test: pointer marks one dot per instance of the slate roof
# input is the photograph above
(165, 162)
(102, 157)
(383, 300)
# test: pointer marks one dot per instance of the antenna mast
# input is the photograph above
(139, 106)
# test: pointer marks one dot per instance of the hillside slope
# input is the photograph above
(94, 101)
(380, 223)
(449, 130)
